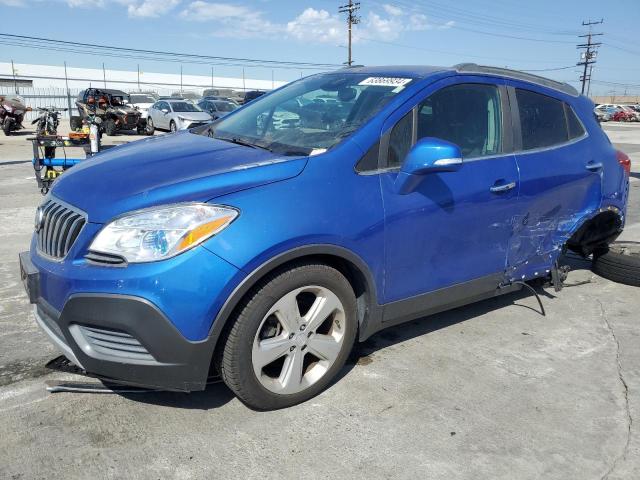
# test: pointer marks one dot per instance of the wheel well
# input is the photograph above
(596, 233)
(363, 289)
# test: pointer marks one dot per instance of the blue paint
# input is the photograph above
(444, 228)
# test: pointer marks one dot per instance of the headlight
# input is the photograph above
(182, 119)
(163, 232)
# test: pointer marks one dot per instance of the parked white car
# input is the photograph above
(142, 102)
(174, 115)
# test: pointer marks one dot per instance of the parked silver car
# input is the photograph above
(174, 115)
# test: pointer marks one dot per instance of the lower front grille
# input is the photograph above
(113, 343)
(58, 227)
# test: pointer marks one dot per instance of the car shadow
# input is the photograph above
(218, 394)
(362, 353)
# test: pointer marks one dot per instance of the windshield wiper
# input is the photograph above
(239, 141)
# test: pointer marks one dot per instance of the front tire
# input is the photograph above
(290, 336)
(110, 127)
(172, 127)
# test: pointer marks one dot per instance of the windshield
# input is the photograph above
(225, 106)
(184, 107)
(315, 113)
(141, 99)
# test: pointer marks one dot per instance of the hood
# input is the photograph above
(193, 115)
(182, 167)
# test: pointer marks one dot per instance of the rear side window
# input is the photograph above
(546, 121)
(576, 130)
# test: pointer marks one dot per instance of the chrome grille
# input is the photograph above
(58, 229)
(115, 343)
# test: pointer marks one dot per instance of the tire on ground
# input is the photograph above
(75, 123)
(233, 357)
(617, 267)
(110, 127)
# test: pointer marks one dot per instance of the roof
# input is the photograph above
(423, 71)
(108, 91)
(517, 75)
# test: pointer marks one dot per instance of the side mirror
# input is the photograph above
(426, 156)
(165, 110)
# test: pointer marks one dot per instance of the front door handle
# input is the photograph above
(593, 166)
(503, 188)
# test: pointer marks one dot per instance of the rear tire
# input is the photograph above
(316, 334)
(617, 267)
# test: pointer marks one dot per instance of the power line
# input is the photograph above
(271, 63)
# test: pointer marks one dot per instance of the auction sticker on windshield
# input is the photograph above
(397, 82)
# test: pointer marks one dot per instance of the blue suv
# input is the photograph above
(263, 245)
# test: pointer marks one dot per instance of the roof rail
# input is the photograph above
(517, 75)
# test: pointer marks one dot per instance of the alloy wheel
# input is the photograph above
(298, 340)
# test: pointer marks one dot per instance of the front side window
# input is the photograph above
(314, 113)
(400, 140)
(468, 115)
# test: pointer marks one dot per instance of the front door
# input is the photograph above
(456, 226)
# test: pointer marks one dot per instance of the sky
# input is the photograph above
(538, 36)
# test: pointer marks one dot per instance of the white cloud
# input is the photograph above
(13, 3)
(317, 26)
(235, 21)
(150, 8)
(135, 8)
(85, 3)
(392, 10)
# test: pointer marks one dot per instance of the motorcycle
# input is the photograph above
(12, 110)
(47, 122)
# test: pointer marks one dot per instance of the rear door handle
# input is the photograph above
(503, 188)
(593, 166)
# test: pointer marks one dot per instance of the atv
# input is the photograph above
(112, 107)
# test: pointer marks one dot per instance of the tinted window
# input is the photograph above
(542, 120)
(400, 140)
(369, 162)
(184, 107)
(467, 115)
(576, 129)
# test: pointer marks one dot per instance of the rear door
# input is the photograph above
(560, 180)
(455, 227)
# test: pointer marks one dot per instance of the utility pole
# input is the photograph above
(104, 76)
(352, 19)
(15, 82)
(139, 78)
(66, 82)
(588, 57)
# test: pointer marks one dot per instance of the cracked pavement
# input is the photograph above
(492, 391)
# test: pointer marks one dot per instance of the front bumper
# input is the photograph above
(113, 332)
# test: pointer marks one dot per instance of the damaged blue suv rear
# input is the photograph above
(263, 245)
